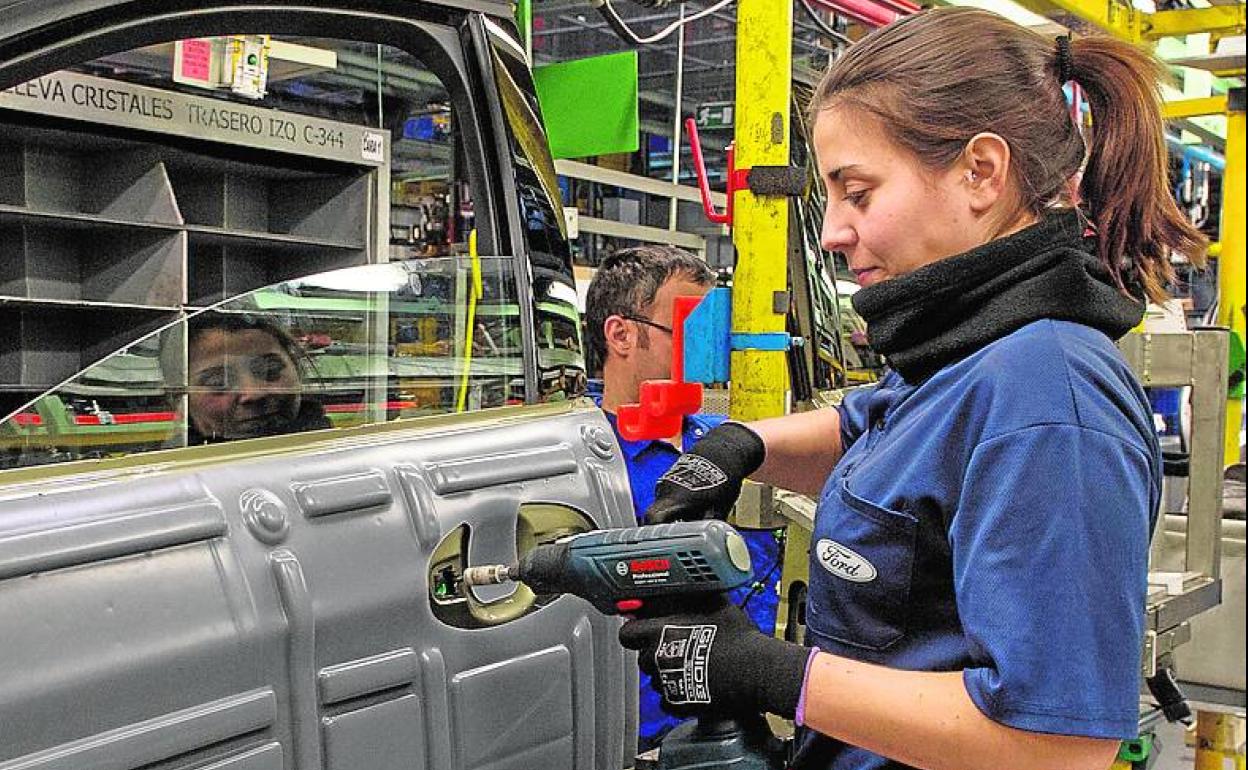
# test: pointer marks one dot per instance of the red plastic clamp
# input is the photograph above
(664, 403)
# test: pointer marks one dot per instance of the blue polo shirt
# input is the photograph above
(995, 520)
(646, 461)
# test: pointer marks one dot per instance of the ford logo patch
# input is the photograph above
(843, 562)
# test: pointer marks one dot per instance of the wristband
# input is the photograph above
(799, 718)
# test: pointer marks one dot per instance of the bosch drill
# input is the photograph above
(651, 570)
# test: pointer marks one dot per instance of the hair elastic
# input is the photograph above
(1065, 63)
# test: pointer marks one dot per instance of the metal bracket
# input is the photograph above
(782, 181)
(761, 341)
(756, 508)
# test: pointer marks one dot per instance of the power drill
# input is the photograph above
(652, 569)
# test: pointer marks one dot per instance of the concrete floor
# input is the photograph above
(1175, 755)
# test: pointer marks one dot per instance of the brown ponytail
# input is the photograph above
(1126, 181)
(936, 79)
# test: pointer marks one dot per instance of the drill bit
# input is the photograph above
(542, 569)
(490, 574)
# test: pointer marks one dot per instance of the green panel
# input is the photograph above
(524, 20)
(590, 105)
(1235, 365)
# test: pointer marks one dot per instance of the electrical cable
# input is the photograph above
(758, 585)
(622, 29)
(823, 26)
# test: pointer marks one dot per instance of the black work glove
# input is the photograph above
(716, 661)
(705, 481)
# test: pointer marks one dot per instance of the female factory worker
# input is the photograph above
(245, 380)
(979, 555)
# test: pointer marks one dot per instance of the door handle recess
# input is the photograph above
(536, 524)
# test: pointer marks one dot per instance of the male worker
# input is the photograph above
(628, 317)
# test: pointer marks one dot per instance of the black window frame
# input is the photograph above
(503, 42)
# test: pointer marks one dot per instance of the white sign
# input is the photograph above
(373, 147)
(101, 100)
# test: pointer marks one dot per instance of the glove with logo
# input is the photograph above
(705, 481)
(716, 661)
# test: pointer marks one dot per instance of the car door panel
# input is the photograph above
(282, 601)
(273, 603)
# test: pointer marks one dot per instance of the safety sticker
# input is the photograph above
(695, 473)
(681, 660)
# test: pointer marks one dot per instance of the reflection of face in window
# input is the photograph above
(244, 382)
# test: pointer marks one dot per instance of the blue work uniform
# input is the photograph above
(646, 461)
(994, 520)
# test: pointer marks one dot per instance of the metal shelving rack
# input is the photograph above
(115, 223)
(1196, 359)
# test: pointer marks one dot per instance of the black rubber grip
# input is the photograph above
(778, 180)
(1176, 464)
(545, 569)
(1166, 690)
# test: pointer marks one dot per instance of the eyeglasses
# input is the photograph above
(648, 322)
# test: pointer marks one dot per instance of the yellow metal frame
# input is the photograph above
(476, 293)
(1194, 108)
(1217, 19)
(1230, 251)
(1127, 23)
(1231, 271)
(1219, 737)
(794, 571)
(760, 231)
(760, 378)
(1116, 18)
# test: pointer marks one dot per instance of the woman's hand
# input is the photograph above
(705, 481)
(714, 660)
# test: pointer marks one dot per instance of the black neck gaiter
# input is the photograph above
(943, 312)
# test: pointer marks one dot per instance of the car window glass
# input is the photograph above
(150, 182)
(362, 345)
(141, 187)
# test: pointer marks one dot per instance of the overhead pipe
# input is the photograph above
(673, 204)
(873, 13)
(902, 7)
(1197, 152)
